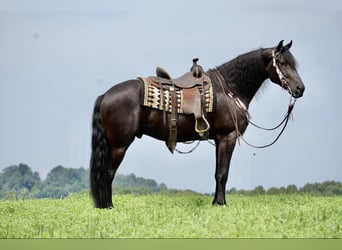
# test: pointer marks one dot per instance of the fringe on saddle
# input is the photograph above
(197, 100)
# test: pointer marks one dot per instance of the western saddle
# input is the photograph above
(192, 86)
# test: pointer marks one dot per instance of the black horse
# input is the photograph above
(119, 116)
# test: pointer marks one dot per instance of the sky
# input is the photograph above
(58, 56)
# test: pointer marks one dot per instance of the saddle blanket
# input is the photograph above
(152, 96)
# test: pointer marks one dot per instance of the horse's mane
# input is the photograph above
(243, 71)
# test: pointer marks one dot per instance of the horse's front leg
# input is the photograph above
(224, 150)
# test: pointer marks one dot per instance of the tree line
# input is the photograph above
(327, 188)
(20, 182)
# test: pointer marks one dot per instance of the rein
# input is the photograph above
(284, 121)
(244, 110)
(189, 151)
(291, 106)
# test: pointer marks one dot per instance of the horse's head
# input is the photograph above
(282, 70)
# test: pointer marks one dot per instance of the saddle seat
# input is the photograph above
(189, 80)
(185, 81)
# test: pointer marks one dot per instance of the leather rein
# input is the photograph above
(288, 115)
(244, 110)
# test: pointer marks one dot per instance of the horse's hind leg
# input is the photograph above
(116, 121)
(105, 159)
(116, 156)
(102, 176)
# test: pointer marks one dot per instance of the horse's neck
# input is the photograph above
(245, 74)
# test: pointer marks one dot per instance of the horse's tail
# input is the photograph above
(99, 161)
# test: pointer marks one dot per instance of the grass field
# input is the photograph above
(174, 216)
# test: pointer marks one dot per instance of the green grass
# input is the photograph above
(174, 216)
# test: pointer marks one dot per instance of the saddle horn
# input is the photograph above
(197, 70)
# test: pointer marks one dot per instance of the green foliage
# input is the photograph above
(327, 188)
(17, 181)
(60, 182)
(20, 182)
(259, 190)
(127, 184)
(174, 216)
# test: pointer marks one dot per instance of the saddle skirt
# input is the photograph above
(158, 96)
(185, 95)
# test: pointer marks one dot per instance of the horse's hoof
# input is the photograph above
(219, 203)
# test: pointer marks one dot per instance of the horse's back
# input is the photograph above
(128, 92)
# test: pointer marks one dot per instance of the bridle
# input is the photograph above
(282, 78)
(244, 110)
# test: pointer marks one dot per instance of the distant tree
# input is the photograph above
(162, 187)
(243, 192)
(137, 183)
(291, 189)
(273, 190)
(61, 181)
(333, 188)
(326, 188)
(232, 191)
(18, 177)
(259, 190)
(307, 188)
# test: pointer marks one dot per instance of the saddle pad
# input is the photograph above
(152, 96)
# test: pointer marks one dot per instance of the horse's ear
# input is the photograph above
(288, 46)
(280, 46)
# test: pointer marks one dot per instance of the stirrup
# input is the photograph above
(202, 131)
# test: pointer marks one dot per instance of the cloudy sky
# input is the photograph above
(55, 59)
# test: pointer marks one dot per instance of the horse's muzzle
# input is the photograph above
(298, 91)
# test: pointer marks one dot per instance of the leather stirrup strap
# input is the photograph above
(173, 124)
(162, 102)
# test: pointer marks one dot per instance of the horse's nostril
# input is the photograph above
(300, 89)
